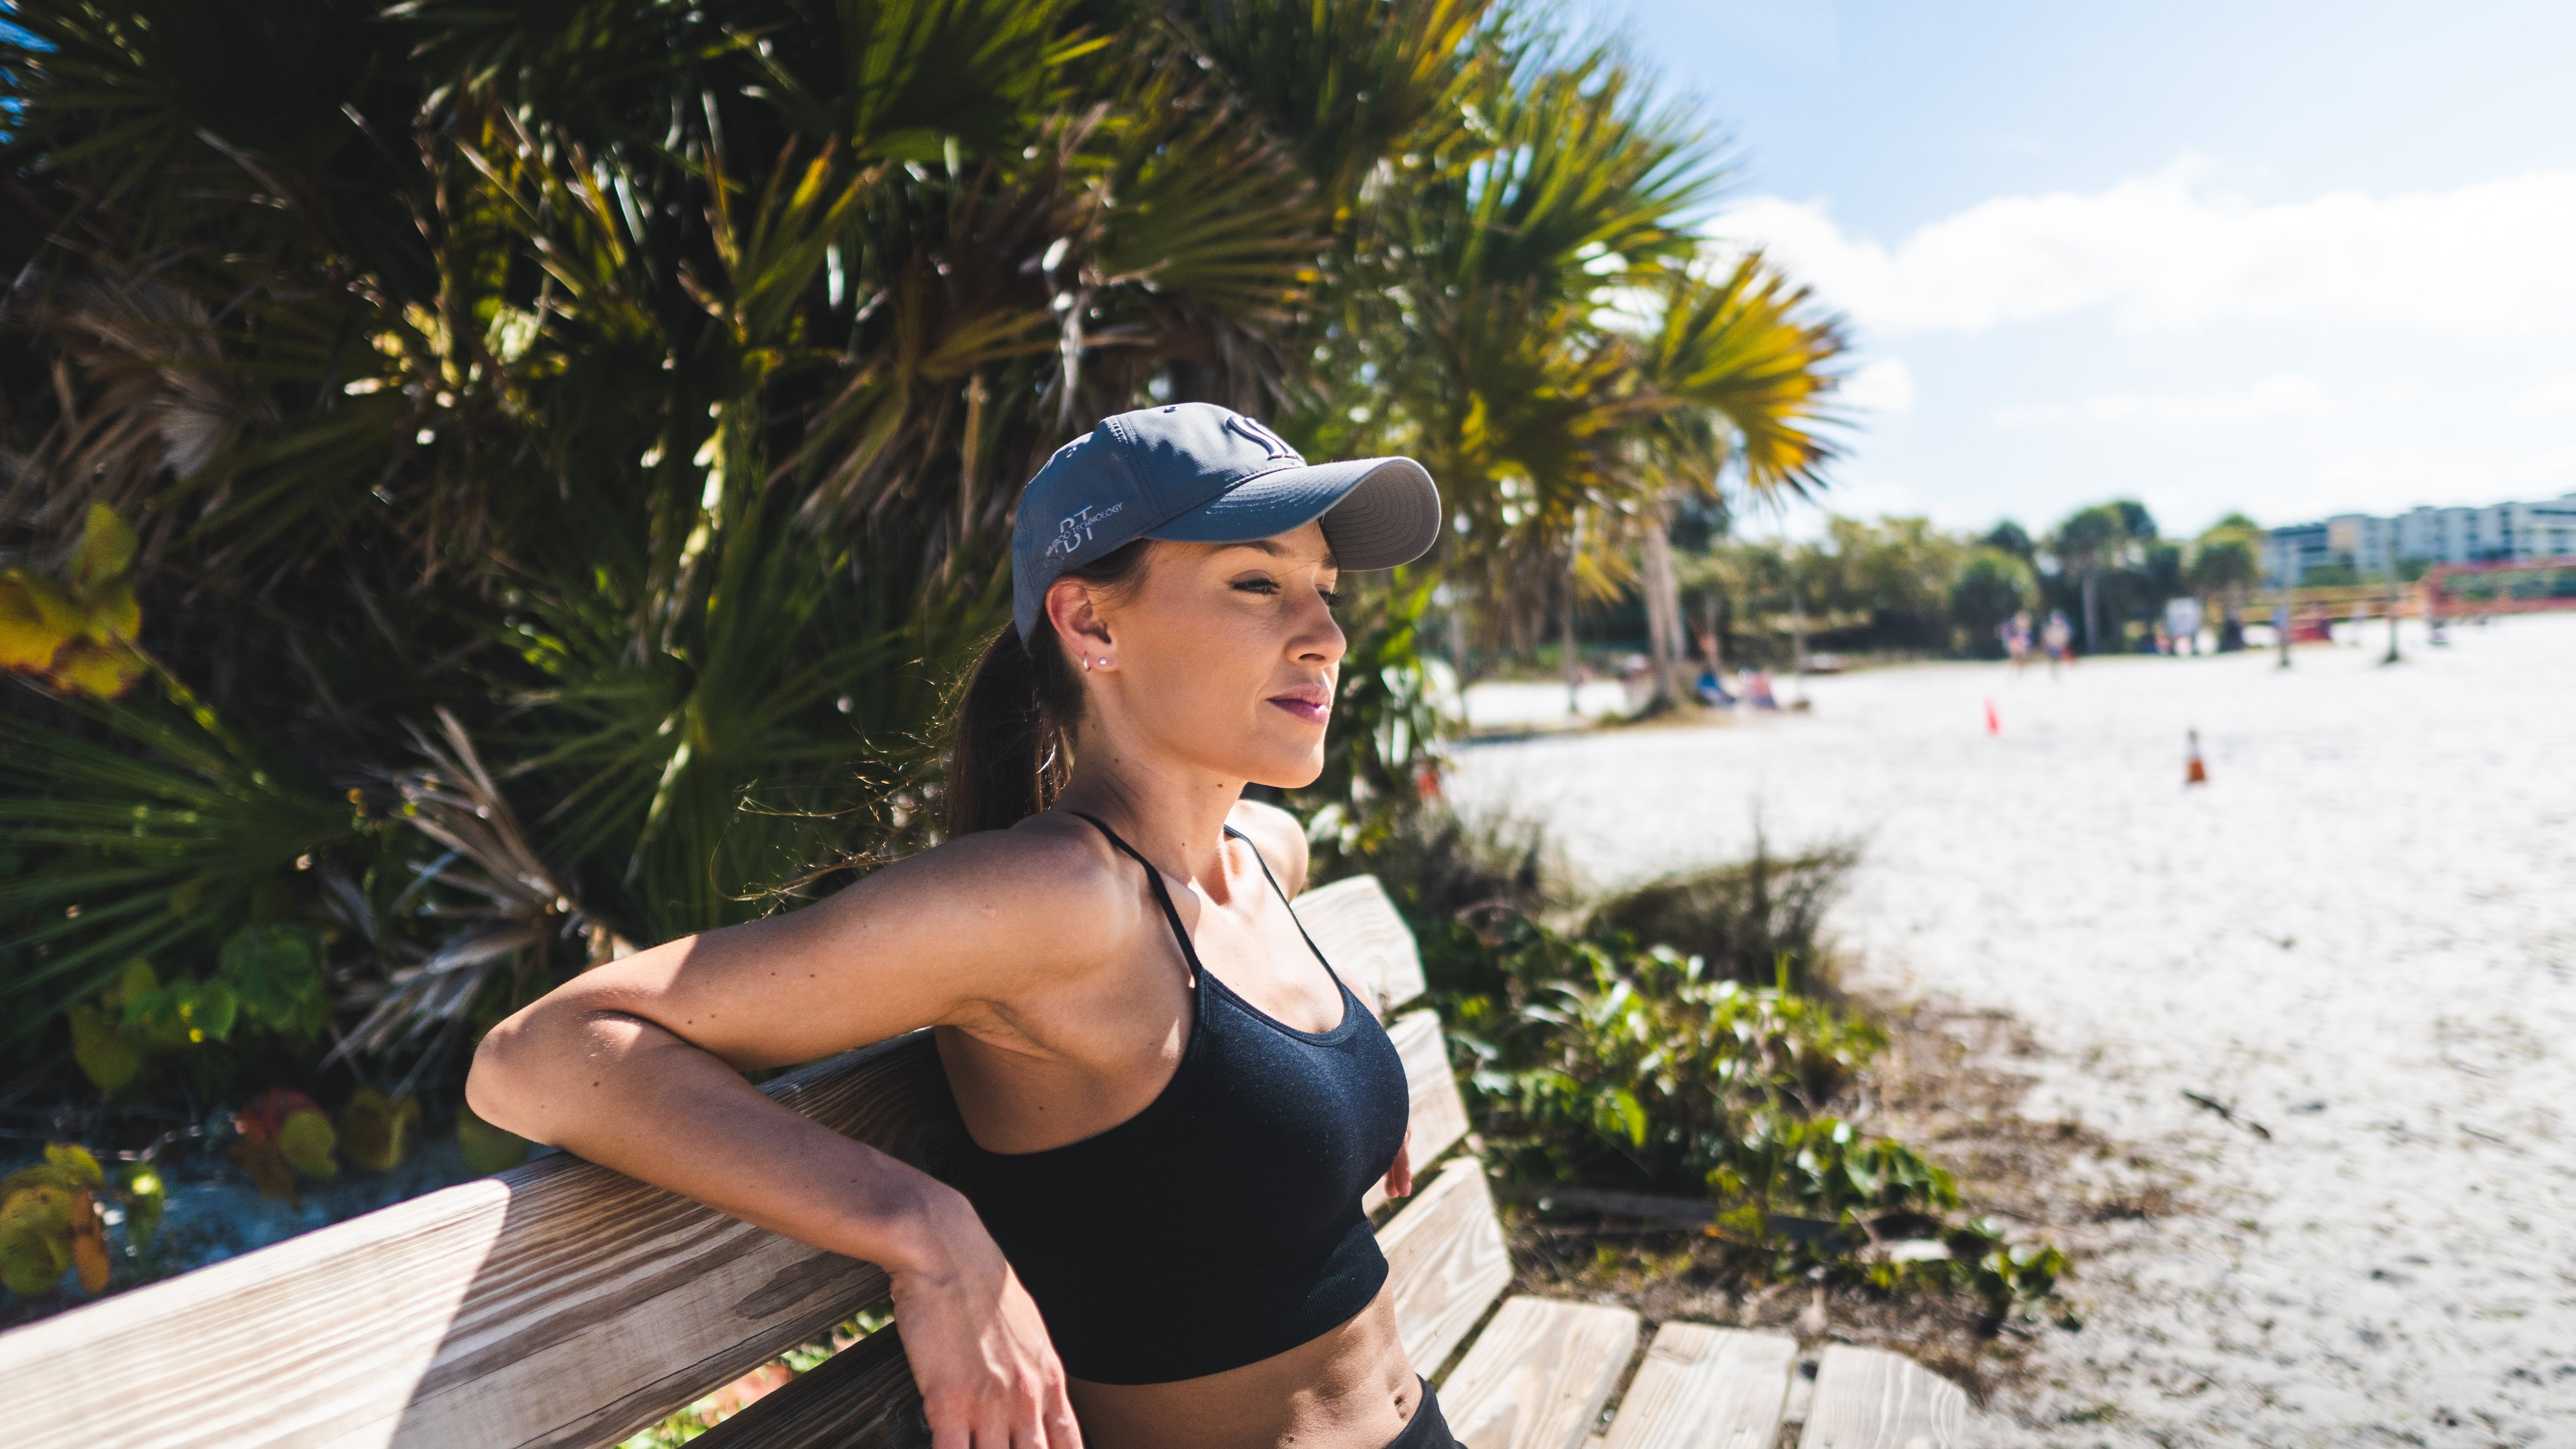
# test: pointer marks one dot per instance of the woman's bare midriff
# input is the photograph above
(1352, 1388)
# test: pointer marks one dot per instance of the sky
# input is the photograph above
(2289, 259)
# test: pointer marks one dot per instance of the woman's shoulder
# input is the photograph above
(1047, 861)
(1277, 835)
(1019, 885)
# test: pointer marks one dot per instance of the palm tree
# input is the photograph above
(607, 412)
(571, 448)
(2090, 540)
(1743, 366)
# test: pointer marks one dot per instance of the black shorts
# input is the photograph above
(1426, 1429)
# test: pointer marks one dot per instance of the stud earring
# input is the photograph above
(1104, 661)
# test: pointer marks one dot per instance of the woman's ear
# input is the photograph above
(1075, 615)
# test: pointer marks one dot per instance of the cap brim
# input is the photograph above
(1377, 512)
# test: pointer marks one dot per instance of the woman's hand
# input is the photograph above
(1399, 1176)
(989, 1376)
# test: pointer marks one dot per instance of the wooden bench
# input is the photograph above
(561, 1304)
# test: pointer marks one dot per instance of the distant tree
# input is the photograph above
(1992, 586)
(2010, 537)
(2224, 565)
(2088, 542)
(2135, 520)
(2162, 564)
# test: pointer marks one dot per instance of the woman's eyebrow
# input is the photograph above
(1280, 550)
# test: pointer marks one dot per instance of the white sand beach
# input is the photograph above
(2361, 935)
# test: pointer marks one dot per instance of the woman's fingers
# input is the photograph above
(1399, 1175)
(988, 1374)
(1061, 1430)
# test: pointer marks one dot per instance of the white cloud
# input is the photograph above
(1884, 386)
(2160, 253)
(2273, 399)
(2555, 398)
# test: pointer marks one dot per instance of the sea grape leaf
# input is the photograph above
(101, 670)
(89, 1254)
(212, 1009)
(266, 1166)
(31, 1261)
(144, 1199)
(375, 1130)
(110, 1058)
(75, 1162)
(487, 1148)
(36, 619)
(139, 979)
(305, 1140)
(105, 550)
(114, 614)
(277, 970)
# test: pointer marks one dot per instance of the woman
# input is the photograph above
(1175, 1105)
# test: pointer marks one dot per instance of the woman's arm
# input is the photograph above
(636, 1065)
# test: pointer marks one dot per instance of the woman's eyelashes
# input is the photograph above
(1269, 588)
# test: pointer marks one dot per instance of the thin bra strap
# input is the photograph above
(1283, 900)
(1154, 878)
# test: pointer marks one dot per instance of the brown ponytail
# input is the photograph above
(1011, 746)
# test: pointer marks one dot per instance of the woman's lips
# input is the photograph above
(1308, 705)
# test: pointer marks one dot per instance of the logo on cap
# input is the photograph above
(1075, 531)
(1237, 422)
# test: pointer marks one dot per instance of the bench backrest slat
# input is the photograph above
(556, 1304)
(1358, 930)
(1446, 1256)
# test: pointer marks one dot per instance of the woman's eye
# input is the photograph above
(1332, 597)
(1257, 586)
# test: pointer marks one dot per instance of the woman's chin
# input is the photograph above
(1295, 774)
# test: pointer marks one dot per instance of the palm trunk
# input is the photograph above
(1663, 617)
(1573, 552)
(2092, 639)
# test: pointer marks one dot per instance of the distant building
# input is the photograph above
(2370, 545)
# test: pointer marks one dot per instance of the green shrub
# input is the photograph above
(1689, 1066)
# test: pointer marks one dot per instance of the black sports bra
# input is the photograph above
(1221, 1225)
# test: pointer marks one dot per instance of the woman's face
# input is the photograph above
(1223, 656)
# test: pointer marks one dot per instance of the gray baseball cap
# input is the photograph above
(1199, 473)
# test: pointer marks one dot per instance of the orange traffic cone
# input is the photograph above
(1994, 726)
(2193, 771)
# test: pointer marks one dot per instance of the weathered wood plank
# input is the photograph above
(1706, 1388)
(1539, 1374)
(1446, 1258)
(1867, 1398)
(1358, 930)
(558, 1304)
(1439, 1116)
(860, 1398)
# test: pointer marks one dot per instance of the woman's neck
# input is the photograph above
(1175, 817)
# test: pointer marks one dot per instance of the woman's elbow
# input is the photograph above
(501, 1085)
